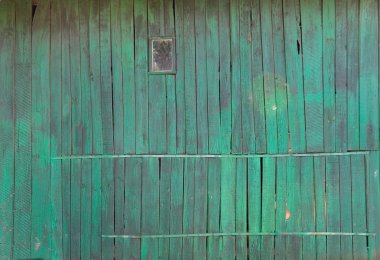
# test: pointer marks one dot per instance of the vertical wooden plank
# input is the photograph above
(156, 89)
(293, 59)
(225, 75)
(281, 200)
(268, 206)
(353, 74)
(105, 75)
(128, 74)
(213, 212)
(311, 47)
(164, 212)
(254, 205)
(369, 72)
(23, 108)
(269, 76)
(85, 214)
(76, 129)
(320, 204)
(200, 207)
(180, 77)
(188, 208)
(359, 218)
(373, 196)
(345, 206)
(247, 93)
(328, 45)
(333, 206)
(190, 87)
(118, 166)
(280, 76)
(308, 207)
(96, 209)
(7, 148)
(56, 237)
(228, 205)
(294, 224)
(236, 139)
(257, 76)
(341, 75)
(40, 131)
(201, 76)
(212, 61)
(176, 207)
(132, 207)
(107, 207)
(241, 203)
(141, 77)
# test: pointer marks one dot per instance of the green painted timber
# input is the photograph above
(262, 144)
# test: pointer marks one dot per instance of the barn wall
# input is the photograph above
(270, 125)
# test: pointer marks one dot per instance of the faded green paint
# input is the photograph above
(81, 117)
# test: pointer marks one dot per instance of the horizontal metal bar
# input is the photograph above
(241, 234)
(112, 156)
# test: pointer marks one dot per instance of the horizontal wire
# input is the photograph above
(241, 234)
(106, 156)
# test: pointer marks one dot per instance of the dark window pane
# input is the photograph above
(162, 55)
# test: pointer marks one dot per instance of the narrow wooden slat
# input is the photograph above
(165, 177)
(369, 72)
(190, 87)
(141, 77)
(7, 178)
(176, 208)
(96, 209)
(76, 129)
(55, 134)
(225, 75)
(328, 45)
(246, 79)
(105, 75)
(23, 116)
(294, 214)
(311, 47)
(128, 75)
(254, 206)
(281, 200)
(257, 76)
(320, 200)
(241, 204)
(180, 78)
(107, 207)
(373, 196)
(268, 206)
(293, 59)
(228, 205)
(188, 208)
(269, 76)
(345, 206)
(353, 74)
(213, 212)
(280, 76)
(132, 207)
(200, 207)
(85, 211)
(333, 206)
(236, 139)
(118, 172)
(341, 67)
(359, 223)
(213, 95)
(307, 207)
(156, 89)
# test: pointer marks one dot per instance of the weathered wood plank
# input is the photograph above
(107, 207)
(281, 201)
(7, 148)
(241, 203)
(188, 208)
(254, 206)
(165, 177)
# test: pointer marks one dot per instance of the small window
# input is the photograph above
(162, 55)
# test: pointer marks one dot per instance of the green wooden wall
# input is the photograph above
(264, 144)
